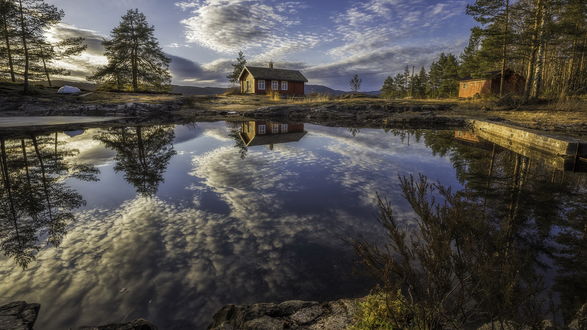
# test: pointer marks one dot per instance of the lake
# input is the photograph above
(171, 222)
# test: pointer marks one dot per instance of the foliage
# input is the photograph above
(378, 309)
(457, 267)
(238, 67)
(25, 50)
(34, 196)
(135, 60)
(142, 154)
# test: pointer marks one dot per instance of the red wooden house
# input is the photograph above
(257, 80)
(490, 84)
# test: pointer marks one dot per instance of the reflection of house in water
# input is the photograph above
(258, 133)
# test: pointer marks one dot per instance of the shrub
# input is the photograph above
(379, 310)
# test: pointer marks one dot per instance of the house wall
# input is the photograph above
(514, 84)
(252, 127)
(470, 88)
(293, 88)
(252, 87)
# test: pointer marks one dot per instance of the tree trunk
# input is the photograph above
(537, 82)
(505, 48)
(44, 178)
(8, 186)
(45, 68)
(25, 47)
(8, 51)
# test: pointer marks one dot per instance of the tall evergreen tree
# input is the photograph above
(34, 17)
(8, 12)
(494, 17)
(135, 58)
(47, 53)
(238, 67)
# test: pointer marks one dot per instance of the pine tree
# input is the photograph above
(134, 57)
(8, 12)
(237, 68)
(389, 88)
(471, 65)
(47, 53)
(494, 16)
(34, 17)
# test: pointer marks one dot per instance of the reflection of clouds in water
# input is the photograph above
(371, 161)
(155, 260)
(152, 259)
(90, 151)
(250, 186)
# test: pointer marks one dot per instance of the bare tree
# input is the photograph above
(356, 83)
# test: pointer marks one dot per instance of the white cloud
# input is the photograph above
(257, 26)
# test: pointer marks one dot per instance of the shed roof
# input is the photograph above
(274, 74)
(259, 140)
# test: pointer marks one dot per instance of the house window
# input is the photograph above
(275, 129)
(464, 85)
(275, 85)
(262, 85)
(262, 129)
(284, 86)
(283, 128)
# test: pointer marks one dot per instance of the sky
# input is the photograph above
(328, 40)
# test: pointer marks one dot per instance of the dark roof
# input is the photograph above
(266, 139)
(275, 74)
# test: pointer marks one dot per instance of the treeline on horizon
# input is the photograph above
(136, 62)
(543, 40)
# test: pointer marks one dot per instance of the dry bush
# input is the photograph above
(232, 91)
(570, 104)
(312, 98)
(456, 268)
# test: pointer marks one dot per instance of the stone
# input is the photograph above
(138, 324)
(294, 314)
(18, 315)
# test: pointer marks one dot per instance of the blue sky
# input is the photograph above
(329, 40)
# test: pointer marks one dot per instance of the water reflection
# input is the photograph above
(142, 153)
(34, 197)
(175, 229)
(538, 208)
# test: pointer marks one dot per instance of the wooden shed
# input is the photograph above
(490, 83)
(258, 80)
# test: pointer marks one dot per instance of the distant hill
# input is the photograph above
(192, 90)
(319, 89)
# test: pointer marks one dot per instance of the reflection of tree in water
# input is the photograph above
(34, 199)
(481, 256)
(239, 143)
(142, 153)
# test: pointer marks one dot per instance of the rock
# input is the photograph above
(138, 324)
(18, 315)
(293, 314)
(580, 321)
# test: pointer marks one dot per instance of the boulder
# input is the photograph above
(293, 314)
(69, 90)
(18, 315)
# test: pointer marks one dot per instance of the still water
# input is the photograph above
(170, 223)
